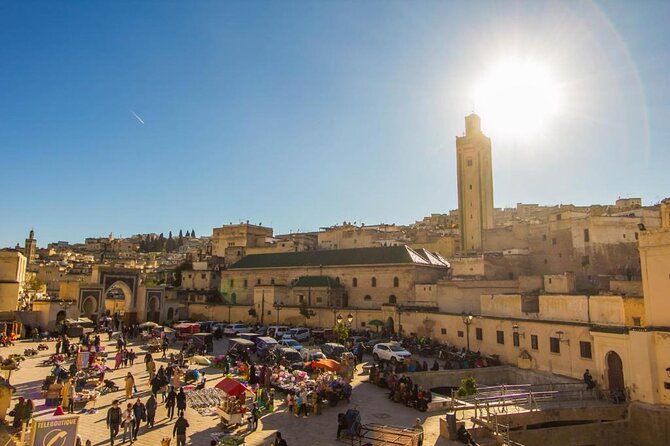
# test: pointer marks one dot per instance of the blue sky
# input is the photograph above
(305, 114)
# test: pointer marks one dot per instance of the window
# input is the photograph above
(272, 281)
(585, 260)
(515, 339)
(460, 333)
(533, 342)
(469, 162)
(550, 281)
(246, 283)
(396, 282)
(637, 236)
(443, 331)
(301, 298)
(367, 297)
(500, 337)
(553, 241)
(471, 187)
(319, 299)
(373, 282)
(203, 275)
(558, 217)
(479, 334)
(586, 235)
(637, 322)
(258, 281)
(392, 299)
(362, 324)
(585, 349)
(544, 236)
(354, 282)
(232, 282)
(554, 345)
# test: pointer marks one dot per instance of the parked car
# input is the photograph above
(370, 345)
(277, 331)
(217, 326)
(390, 351)
(319, 336)
(299, 334)
(234, 329)
(262, 330)
(290, 343)
(333, 350)
(312, 355)
(290, 357)
(357, 340)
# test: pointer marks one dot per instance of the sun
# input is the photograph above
(517, 99)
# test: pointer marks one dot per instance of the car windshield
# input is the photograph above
(396, 348)
(291, 342)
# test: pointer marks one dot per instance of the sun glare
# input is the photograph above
(517, 99)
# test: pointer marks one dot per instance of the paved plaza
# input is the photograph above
(314, 430)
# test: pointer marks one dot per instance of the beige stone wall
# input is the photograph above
(241, 235)
(12, 275)
(607, 310)
(244, 281)
(468, 266)
(445, 245)
(655, 262)
(200, 280)
(571, 308)
(626, 287)
(559, 283)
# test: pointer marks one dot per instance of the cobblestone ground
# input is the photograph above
(313, 430)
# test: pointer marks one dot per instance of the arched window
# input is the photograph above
(374, 282)
(392, 299)
(396, 282)
(367, 297)
(354, 282)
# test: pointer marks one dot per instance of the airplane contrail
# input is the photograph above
(138, 118)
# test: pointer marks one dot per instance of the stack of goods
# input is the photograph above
(204, 400)
(289, 381)
(220, 362)
(226, 439)
(85, 396)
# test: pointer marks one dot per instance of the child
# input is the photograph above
(289, 403)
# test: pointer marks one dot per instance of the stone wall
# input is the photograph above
(593, 434)
(649, 425)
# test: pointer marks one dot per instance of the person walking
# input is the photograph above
(151, 369)
(66, 395)
(128, 422)
(255, 415)
(181, 402)
(419, 427)
(179, 430)
(164, 347)
(130, 385)
(151, 407)
(170, 402)
(140, 412)
(118, 359)
(113, 420)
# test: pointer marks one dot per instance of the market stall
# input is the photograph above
(234, 405)
(205, 401)
(186, 330)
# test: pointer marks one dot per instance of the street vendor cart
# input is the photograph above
(234, 406)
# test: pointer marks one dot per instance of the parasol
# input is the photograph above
(148, 324)
(326, 364)
(201, 360)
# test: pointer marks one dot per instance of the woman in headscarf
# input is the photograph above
(118, 359)
(130, 384)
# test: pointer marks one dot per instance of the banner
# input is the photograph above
(54, 431)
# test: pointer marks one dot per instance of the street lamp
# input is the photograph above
(230, 306)
(467, 320)
(350, 318)
(278, 306)
(339, 319)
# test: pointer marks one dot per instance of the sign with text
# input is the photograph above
(54, 431)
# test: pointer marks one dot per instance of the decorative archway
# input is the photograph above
(615, 378)
(118, 298)
(89, 307)
(390, 325)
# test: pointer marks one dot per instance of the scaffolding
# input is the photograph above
(376, 434)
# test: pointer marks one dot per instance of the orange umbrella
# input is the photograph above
(326, 364)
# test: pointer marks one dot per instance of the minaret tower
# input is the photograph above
(475, 184)
(30, 247)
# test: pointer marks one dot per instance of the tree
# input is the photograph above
(468, 387)
(193, 233)
(34, 284)
(306, 312)
(342, 332)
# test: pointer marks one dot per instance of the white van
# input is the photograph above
(277, 331)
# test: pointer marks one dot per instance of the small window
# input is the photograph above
(367, 297)
(500, 337)
(354, 282)
(624, 236)
(272, 281)
(396, 282)
(460, 333)
(203, 275)
(373, 282)
(544, 236)
(558, 217)
(471, 187)
(515, 339)
(246, 283)
(550, 281)
(637, 322)
(443, 331)
(232, 282)
(585, 260)
(637, 236)
(585, 349)
(301, 298)
(479, 334)
(469, 162)
(392, 299)
(533, 342)
(554, 345)
(586, 235)
(319, 299)
(258, 281)
(553, 241)
(362, 324)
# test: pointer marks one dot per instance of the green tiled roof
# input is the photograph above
(336, 257)
(316, 281)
